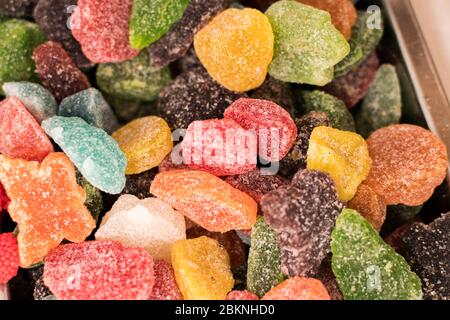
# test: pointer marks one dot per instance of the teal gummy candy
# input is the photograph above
(382, 105)
(92, 150)
(337, 111)
(135, 79)
(307, 45)
(90, 106)
(18, 38)
(366, 268)
(94, 200)
(264, 259)
(150, 20)
(38, 100)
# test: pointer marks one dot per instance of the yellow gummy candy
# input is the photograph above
(145, 142)
(343, 155)
(236, 48)
(202, 269)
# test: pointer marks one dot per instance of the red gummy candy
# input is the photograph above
(242, 295)
(99, 270)
(4, 199)
(298, 288)
(9, 257)
(220, 147)
(20, 134)
(165, 287)
(102, 29)
(275, 128)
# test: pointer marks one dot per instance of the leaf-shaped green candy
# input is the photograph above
(307, 45)
(366, 268)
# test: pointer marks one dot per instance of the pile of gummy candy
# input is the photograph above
(201, 149)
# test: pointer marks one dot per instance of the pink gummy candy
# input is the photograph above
(4, 199)
(165, 287)
(242, 295)
(9, 257)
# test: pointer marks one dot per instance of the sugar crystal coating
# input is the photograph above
(241, 295)
(298, 288)
(165, 287)
(9, 257)
(370, 205)
(41, 291)
(17, 8)
(4, 200)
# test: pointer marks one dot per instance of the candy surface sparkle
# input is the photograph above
(9, 257)
(165, 287)
(370, 205)
(298, 288)
(242, 295)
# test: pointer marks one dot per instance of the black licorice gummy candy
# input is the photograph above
(17, 8)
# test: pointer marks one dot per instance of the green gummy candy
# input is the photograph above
(382, 105)
(94, 200)
(307, 45)
(366, 268)
(337, 111)
(264, 259)
(151, 19)
(135, 79)
(365, 38)
(18, 38)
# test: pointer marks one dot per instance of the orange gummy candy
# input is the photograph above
(46, 203)
(370, 205)
(298, 288)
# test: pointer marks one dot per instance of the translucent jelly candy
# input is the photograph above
(303, 215)
(409, 162)
(202, 269)
(427, 250)
(94, 199)
(274, 127)
(151, 20)
(44, 214)
(343, 155)
(102, 29)
(38, 100)
(370, 205)
(18, 39)
(220, 147)
(165, 287)
(99, 270)
(17, 8)
(205, 199)
(20, 134)
(57, 71)
(298, 288)
(9, 257)
(336, 110)
(92, 150)
(365, 267)
(175, 43)
(242, 295)
(145, 142)
(194, 95)
(307, 45)
(52, 17)
(264, 259)
(343, 13)
(236, 48)
(148, 223)
(382, 106)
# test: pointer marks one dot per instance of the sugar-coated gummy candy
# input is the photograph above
(145, 143)
(219, 146)
(336, 109)
(20, 134)
(99, 270)
(57, 71)
(18, 38)
(264, 259)
(236, 47)
(9, 257)
(92, 150)
(4, 200)
(145, 223)
(17, 8)
(206, 199)
(307, 45)
(150, 20)
(133, 79)
(102, 29)
(175, 43)
(46, 203)
(275, 129)
(370, 205)
(202, 269)
(303, 215)
(165, 287)
(409, 162)
(427, 250)
(382, 105)
(298, 288)
(242, 295)
(366, 268)
(90, 106)
(41, 291)
(52, 16)
(343, 155)
(38, 100)
(94, 199)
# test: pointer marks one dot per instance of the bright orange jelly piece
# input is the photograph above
(298, 288)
